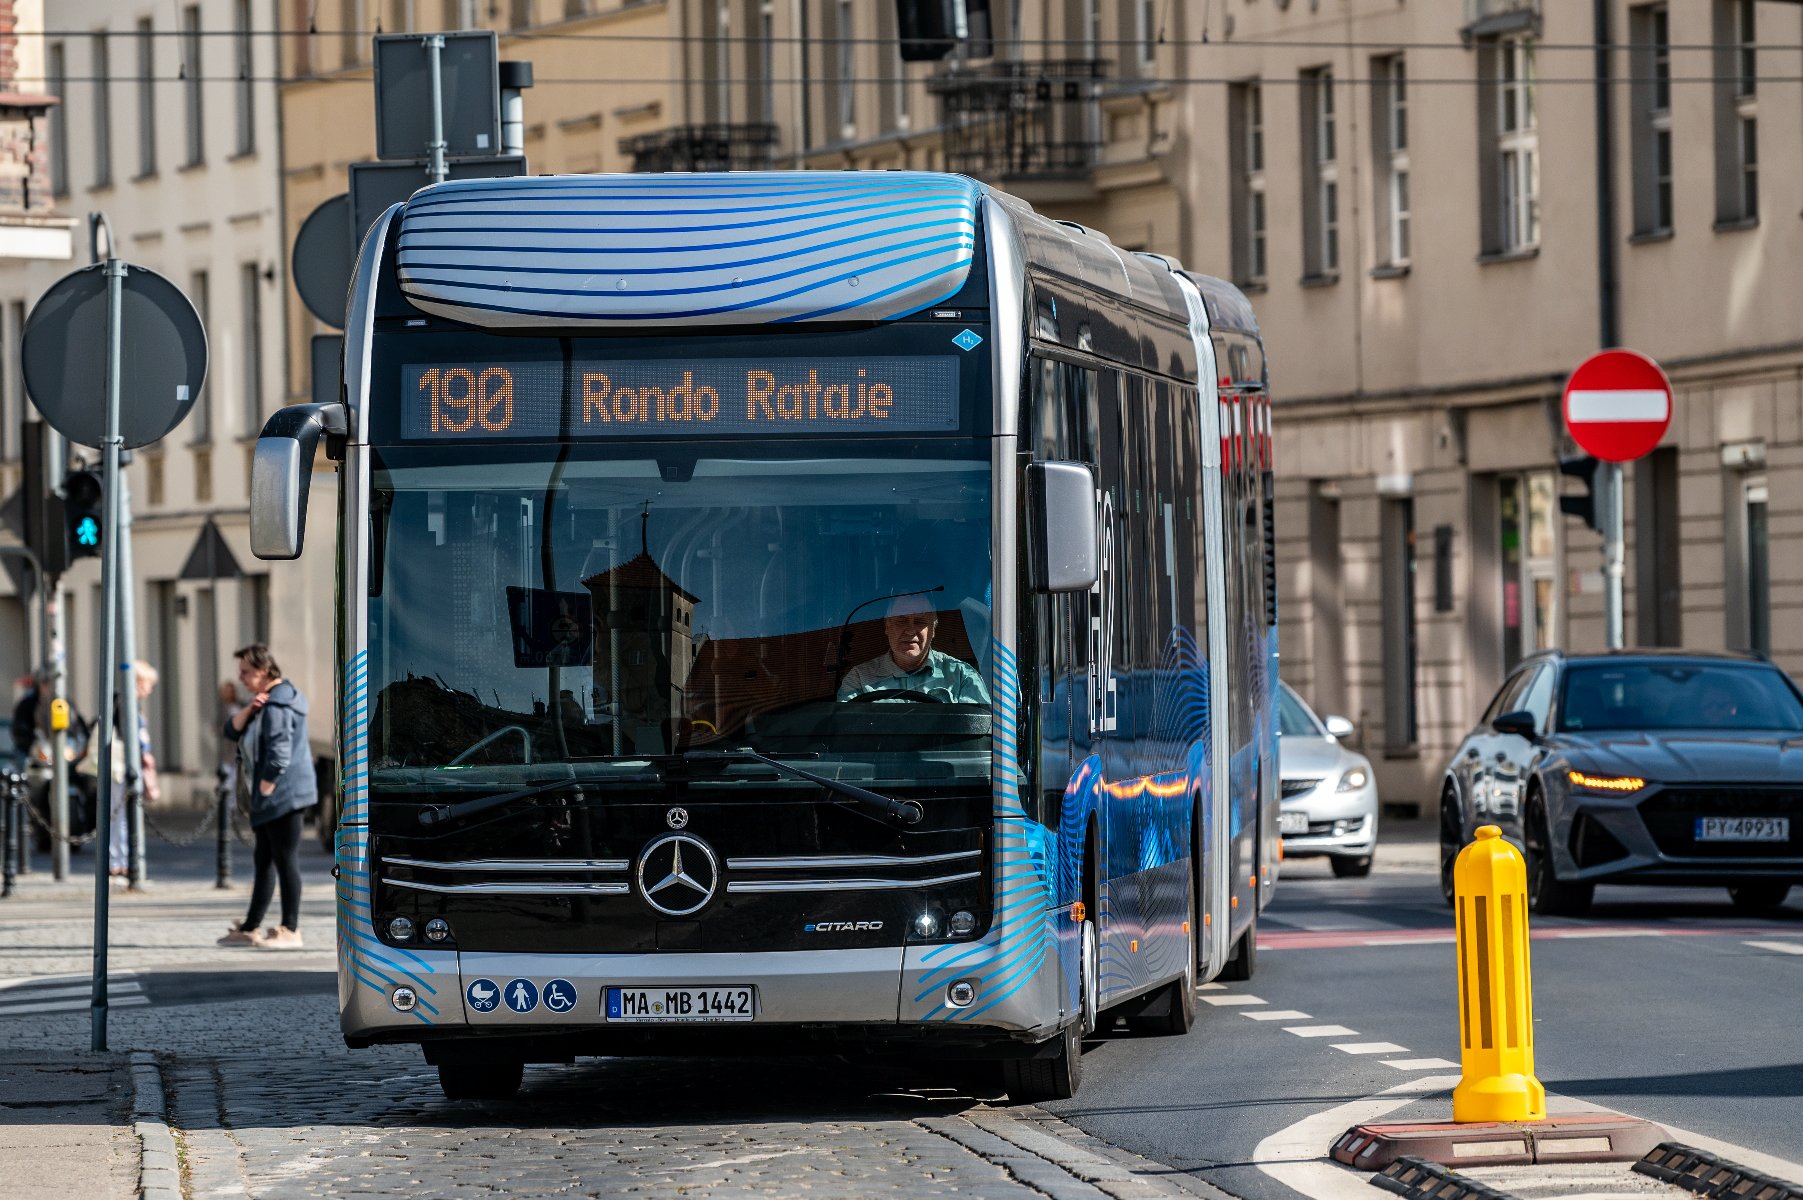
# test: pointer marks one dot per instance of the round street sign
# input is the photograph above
(323, 258)
(163, 351)
(1618, 404)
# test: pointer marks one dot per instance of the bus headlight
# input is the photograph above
(437, 929)
(926, 925)
(404, 999)
(960, 994)
(962, 923)
(401, 929)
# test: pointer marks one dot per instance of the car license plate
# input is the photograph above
(735, 1003)
(1743, 829)
(1292, 822)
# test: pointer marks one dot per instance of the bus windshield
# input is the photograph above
(612, 608)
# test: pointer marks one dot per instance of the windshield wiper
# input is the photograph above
(437, 814)
(902, 812)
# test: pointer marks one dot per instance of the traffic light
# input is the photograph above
(83, 513)
(43, 509)
(1584, 507)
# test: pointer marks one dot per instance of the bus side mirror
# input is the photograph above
(1061, 507)
(281, 475)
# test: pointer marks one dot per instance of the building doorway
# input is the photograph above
(1528, 545)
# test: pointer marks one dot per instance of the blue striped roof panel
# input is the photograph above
(744, 248)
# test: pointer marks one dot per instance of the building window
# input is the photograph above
(1147, 13)
(903, 117)
(246, 70)
(56, 74)
(191, 87)
(147, 99)
(1527, 539)
(720, 64)
(200, 418)
(1390, 154)
(400, 17)
(519, 15)
(1649, 33)
(101, 72)
(350, 32)
(1757, 559)
(1399, 636)
(1246, 149)
(250, 301)
(847, 72)
(1517, 148)
(1736, 114)
(1321, 177)
(575, 8)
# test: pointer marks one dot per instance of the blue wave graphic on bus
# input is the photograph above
(514, 252)
(363, 956)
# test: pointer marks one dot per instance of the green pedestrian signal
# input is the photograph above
(83, 513)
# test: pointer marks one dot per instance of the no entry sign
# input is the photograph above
(1618, 405)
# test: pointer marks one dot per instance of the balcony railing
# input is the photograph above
(702, 148)
(1022, 120)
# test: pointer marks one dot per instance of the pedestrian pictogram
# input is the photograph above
(87, 532)
(560, 995)
(521, 995)
(483, 995)
(1618, 405)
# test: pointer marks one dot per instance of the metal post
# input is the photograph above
(109, 628)
(128, 682)
(436, 149)
(222, 873)
(9, 840)
(59, 747)
(1613, 554)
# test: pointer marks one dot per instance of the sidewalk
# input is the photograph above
(64, 1127)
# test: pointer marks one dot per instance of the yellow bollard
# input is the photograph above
(1496, 995)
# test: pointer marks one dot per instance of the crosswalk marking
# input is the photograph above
(1371, 1048)
(1313, 1031)
(66, 993)
(1231, 998)
(21, 1010)
(1420, 1064)
(1780, 947)
(1282, 1014)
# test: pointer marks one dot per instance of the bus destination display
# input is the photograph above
(678, 398)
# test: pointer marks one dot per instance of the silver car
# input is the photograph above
(1329, 793)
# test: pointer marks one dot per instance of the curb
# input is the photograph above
(159, 1168)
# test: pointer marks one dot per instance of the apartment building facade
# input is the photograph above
(1434, 236)
(166, 122)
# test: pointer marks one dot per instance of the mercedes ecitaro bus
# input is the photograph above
(807, 611)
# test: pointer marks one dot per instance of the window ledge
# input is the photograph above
(1736, 225)
(1650, 236)
(1406, 752)
(1508, 256)
(144, 176)
(1390, 271)
(104, 187)
(1325, 279)
(196, 165)
(1252, 287)
(242, 155)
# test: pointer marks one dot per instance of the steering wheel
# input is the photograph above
(893, 694)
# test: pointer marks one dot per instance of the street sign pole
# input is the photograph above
(1614, 553)
(109, 629)
(59, 741)
(434, 55)
(128, 684)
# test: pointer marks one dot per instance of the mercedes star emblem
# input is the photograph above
(678, 874)
(677, 817)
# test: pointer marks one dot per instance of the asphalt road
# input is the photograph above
(1657, 1005)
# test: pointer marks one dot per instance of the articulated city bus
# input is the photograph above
(803, 611)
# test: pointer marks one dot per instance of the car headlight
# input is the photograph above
(1619, 785)
(1354, 779)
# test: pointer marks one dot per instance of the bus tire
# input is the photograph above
(1244, 960)
(1171, 1010)
(480, 1080)
(1051, 1077)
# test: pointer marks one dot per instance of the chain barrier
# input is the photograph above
(49, 830)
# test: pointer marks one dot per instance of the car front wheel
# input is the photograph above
(1547, 895)
(1452, 840)
(1759, 897)
(1351, 868)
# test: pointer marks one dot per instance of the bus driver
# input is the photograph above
(912, 665)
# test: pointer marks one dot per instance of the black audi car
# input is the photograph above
(1643, 767)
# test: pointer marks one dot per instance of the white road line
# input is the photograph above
(1297, 1156)
(1320, 1031)
(1370, 1048)
(1780, 947)
(1282, 1014)
(1231, 999)
(1212, 987)
(30, 981)
(1601, 933)
(64, 993)
(20, 1010)
(1421, 1064)
(1436, 940)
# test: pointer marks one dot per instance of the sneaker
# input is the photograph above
(279, 937)
(240, 936)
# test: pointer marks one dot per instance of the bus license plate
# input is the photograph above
(738, 1003)
(1743, 829)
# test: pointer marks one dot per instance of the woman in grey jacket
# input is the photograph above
(276, 764)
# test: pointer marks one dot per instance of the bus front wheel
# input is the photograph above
(1052, 1077)
(480, 1080)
